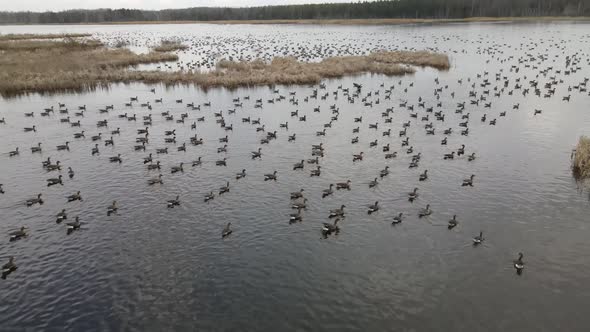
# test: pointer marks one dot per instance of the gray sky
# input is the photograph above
(55, 5)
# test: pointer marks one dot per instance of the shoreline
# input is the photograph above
(384, 21)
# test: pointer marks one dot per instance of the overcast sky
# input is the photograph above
(55, 5)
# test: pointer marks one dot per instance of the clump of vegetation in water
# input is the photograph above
(169, 45)
(26, 36)
(581, 158)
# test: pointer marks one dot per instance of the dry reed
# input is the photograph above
(169, 46)
(41, 66)
(27, 36)
(581, 158)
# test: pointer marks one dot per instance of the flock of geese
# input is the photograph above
(435, 119)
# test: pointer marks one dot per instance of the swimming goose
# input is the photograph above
(291, 138)
(54, 181)
(13, 153)
(156, 180)
(70, 172)
(471, 157)
(299, 165)
(478, 239)
(295, 217)
(221, 162)
(518, 263)
(373, 208)
(140, 147)
(449, 155)
(1, 190)
(356, 157)
(461, 150)
(64, 147)
(313, 161)
(36, 148)
(209, 197)
(297, 194)
(175, 169)
(373, 183)
(328, 192)
(272, 176)
(242, 174)
(197, 162)
(79, 135)
(397, 219)
(154, 166)
(224, 189)
(226, 230)
(33, 201)
(72, 226)
(8, 267)
(115, 132)
(61, 216)
(16, 235)
(337, 212)
(173, 202)
(46, 162)
(116, 159)
(453, 222)
(468, 182)
(425, 212)
(300, 205)
(413, 195)
(222, 149)
(330, 228)
(343, 185)
(384, 172)
(75, 197)
(162, 151)
(54, 167)
(112, 208)
(33, 128)
(391, 155)
(257, 154)
(424, 175)
(97, 137)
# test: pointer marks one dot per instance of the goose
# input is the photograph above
(95, 150)
(36, 148)
(384, 172)
(518, 263)
(223, 139)
(471, 157)
(292, 138)
(410, 150)
(328, 228)
(391, 155)
(3, 121)
(317, 146)
(316, 172)
(478, 239)
(468, 182)
(116, 159)
(54, 167)
(1, 190)
(537, 112)
(373, 143)
(173, 202)
(356, 130)
(74, 197)
(79, 135)
(425, 212)
(373, 208)
(413, 195)
(61, 216)
(64, 147)
(337, 212)
(297, 194)
(197, 162)
(424, 175)
(19, 234)
(224, 189)
(272, 176)
(33, 201)
(313, 161)
(295, 217)
(115, 132)
(449, 155)
(373, 183)
(300, 205)
(257, 154)
(343, 185)
(299, 165)
(154, 166)
(453, 222)
(209, 197)
(72, 226)
(444, 141)
(413, 164)
(328, 192)
(156, 180)
(8, 267)
(162, 151)
(176, 169)
(139, 147)
(397, 219)
(356, 157)
(461, 150)
(54, 181)
(33, 128)
(221, 162)
(112, 208)
(226, 230)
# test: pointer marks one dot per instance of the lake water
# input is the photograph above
(150, 268)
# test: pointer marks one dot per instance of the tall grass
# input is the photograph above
(581, 160)
(27, 36)
(169, 45)
(54, 66)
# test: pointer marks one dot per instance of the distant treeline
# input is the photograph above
(358, 10)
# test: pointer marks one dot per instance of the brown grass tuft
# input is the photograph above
(27, 36)
(169, 46)
(581, 160)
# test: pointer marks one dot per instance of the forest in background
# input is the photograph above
(426, 9)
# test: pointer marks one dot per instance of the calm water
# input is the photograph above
(150, 268)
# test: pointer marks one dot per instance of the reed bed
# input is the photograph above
(581, 158)
(169, 46)
(68, 65)
(28, 36)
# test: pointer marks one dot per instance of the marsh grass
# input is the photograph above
(581, 158)
(28, 36)
(169, 45)
(54, 66)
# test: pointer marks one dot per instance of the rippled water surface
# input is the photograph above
(150, 268)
